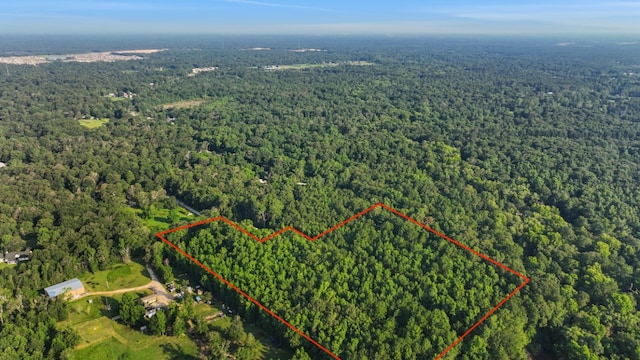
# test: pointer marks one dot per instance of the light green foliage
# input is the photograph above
(93, 123)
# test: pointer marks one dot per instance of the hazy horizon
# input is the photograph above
(331, 17)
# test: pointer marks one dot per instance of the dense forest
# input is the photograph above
(524, 150)
(418, 291)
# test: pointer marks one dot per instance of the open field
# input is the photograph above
(106, 56)
(118, 277)
(92, 123)
(321, 65)
(182, 104)
(90, 308)
(103, 338)
(159, 219)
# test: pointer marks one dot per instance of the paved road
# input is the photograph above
(164, 297)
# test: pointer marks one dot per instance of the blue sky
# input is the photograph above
(320, 17)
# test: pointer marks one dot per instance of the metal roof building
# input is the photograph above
(74, 287)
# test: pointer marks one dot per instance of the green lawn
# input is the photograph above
(4, 265)
(119, 276)
(203, 310)
(89, 308)
(103, 338)
(268, 350)
(159, 219)
(92, 123)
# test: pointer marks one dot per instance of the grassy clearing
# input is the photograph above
(119, 276)
(268, 350)
(94, 307)
(106, 339)
(103, 338)
(92, 123)
(4, 265)
(182, 104)
(305, 66)
(90, 308)
(359, 63)
(159, 219)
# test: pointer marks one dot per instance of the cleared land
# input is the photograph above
(92, 123)
(209, 103)
(103, 338)
(159, 218)
(105, 56)
(118, 276)
(182, 104)
(321, 65)
(106, 339)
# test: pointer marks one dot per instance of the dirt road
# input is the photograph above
(164, 297)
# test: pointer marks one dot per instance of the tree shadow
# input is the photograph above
(109, 306)
(175, 352)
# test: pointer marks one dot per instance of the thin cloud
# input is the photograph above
(269, 4)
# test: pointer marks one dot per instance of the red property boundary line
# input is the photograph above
(161, 234)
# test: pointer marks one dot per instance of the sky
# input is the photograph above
(320, 17)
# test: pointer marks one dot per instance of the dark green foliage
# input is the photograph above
(131, 310)
(236, 330)
(158, 323)
(379, 272)
(464, 135)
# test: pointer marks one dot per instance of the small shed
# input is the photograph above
(71, 288)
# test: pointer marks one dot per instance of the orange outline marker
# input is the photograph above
(161, 234)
